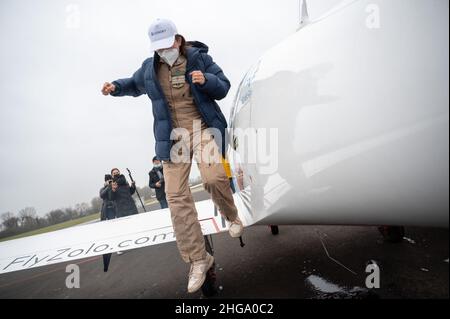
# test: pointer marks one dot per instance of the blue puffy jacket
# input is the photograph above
(145, 81)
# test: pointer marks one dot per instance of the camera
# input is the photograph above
(108, 177)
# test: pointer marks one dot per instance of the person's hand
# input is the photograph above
(114, 186)
(158, 184)
(108, 88)
(198, 77)
(133, 184)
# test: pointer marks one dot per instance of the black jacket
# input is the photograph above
(153, 179)
(124, 202)
(109, 209)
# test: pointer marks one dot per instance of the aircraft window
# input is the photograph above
(244, 93)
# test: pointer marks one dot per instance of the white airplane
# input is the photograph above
(362, 112)
(360, 107)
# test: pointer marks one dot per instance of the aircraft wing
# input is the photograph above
(83, 241)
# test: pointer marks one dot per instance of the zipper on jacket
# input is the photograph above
(194, 94)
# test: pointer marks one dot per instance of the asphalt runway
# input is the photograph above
(293, 264)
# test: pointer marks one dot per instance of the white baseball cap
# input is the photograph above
(162, 34)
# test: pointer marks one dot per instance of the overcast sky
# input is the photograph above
(58, 134)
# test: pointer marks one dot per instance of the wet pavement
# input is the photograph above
(293, 264)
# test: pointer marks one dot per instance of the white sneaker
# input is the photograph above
(236, 228)
(197, 275)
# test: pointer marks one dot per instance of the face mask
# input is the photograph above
(157, 165)
(169, 56)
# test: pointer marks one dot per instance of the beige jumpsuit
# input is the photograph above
(184, 113)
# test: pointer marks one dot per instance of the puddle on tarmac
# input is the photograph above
(409, 240)
(321, 285)
(324, 289)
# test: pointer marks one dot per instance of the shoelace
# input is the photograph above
(197, 271)
(236, 222)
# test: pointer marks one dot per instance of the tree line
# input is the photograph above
(27, 218)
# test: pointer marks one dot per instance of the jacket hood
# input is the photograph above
(193, 50)
(198, 46)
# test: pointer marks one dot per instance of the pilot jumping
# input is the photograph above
(183, 83)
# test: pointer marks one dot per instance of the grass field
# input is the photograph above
(78, 221)
(51, 228)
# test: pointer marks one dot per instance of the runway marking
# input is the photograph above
(48, 272)
(214, 223)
